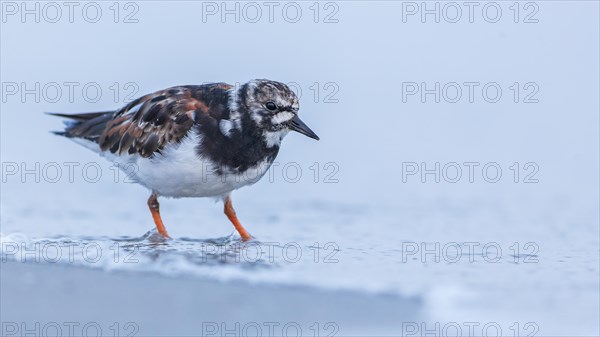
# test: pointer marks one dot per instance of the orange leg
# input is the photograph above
(154, 209)
(230, 212)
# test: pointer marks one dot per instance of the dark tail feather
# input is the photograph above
(85, 125)
(79, 117)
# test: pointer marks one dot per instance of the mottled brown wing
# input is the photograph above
(149, 123)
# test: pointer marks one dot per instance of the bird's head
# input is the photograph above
(272, 107)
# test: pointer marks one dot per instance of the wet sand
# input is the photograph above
(46, 299)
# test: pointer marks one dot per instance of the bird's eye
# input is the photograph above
(271, 106)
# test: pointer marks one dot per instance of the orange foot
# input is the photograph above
(154, 210)
(230, 212)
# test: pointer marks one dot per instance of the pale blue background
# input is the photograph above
(368, 134)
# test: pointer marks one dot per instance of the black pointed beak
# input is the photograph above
(296, 124)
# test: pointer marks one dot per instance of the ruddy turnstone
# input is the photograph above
(194, 140)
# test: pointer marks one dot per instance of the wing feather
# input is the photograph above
(148, 124)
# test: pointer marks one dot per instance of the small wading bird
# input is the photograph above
(176, 136)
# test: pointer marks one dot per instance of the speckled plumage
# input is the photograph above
(194, 140)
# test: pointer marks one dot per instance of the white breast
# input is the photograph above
(178, 171)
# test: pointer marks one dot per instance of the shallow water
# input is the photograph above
(460, 276)
(490, 259)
